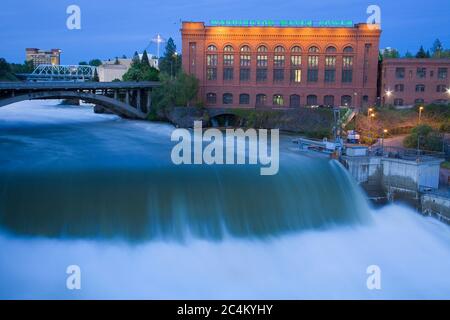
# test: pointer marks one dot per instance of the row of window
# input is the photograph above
(294, 49)
(279, 61)
(420, 88)
(400, 102)
(279, 75)
(421, 73)
(278, 99)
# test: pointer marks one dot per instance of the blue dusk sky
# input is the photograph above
(113, 28)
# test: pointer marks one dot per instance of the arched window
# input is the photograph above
(331, 49)
(346, 100)
(228, 48)
(261, 100)
(311, 100)
(398, 102)
(348, 49)
(227, 98)
(279, 58)
(294, 101)
(296, 49)
(244, 98)
(212, 47)
(420, 88)
(279, 49)
(245, 48)
(211, 98)
(278, 100)
(245, 56)
(262, 49)
(313, 49)
(328, 100)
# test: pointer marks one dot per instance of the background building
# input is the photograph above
(39, 56)
(111, 70)
(282, 66)
(415, 81)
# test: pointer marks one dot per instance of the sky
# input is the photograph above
(114, 28)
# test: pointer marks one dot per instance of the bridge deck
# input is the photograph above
(76, 85)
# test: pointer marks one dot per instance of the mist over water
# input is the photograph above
(102, 193)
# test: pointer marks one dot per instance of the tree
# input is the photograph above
(178, 91)
(82, 63)
(437, 49)
(95, 62)
(421, 53)
(136, 59)
(424, 137)
(170, 63)
(5, 71)
(144, 59)
(117, 62)
(408, 55)
(95, 78)
(390, 53)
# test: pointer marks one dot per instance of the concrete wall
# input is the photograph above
(436, 205)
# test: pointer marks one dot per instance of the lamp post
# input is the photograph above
(372, 115)
(420, 113)
(174, 56)
(382, 141)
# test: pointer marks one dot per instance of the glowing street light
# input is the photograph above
(388, 93)
(382, 140)
(421, 108)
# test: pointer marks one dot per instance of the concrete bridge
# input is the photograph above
(126, 99)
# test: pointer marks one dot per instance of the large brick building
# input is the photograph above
(407, 82)
(282, 66)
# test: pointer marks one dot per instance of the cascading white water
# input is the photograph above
(100, 192)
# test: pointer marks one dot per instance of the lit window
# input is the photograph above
(296, 75)
(278, 100)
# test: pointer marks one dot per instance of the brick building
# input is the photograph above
(39, 56)
(285, 66)
(406, 82)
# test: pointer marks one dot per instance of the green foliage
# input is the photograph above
(8, 70)
(95, 78)
(95, 62)
(391, 53)
(437, 49)
(175, 91)
(82, 63)
(170, 63)
(421, 54)
(141, 70)
(424, 137)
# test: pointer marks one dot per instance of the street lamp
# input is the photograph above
(420, 112)
(174, 56)
(382, 141)
(371, 116)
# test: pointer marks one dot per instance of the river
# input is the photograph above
(100, 192)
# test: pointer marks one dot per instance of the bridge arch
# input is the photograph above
(115, 106)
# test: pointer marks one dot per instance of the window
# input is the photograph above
(228, 60)
(419, 101)
(400, 73)
(441, 88)
(347, 69)
(261, 100)
(313, 75)
(348, 49)
(212, 47)
(313, 72)
(331, 49)
(245, 48)
(365, 98)
(262, 49)
(421, 73)
(279, 49)
(244, 74)
(244, 98)
(211, 98)
(346, 100)
(398, 102)
(313, 49)
(228, 74)
(211, 60)
(227, 98)
(420, 88)
(228, 49)
(296, 61)
(296, 75)
(311, 100)
(442, 73)
(278, 61)
(296, 49)
(261, 75)
(278, 75)
(245, 60)
(261, 61)
(294, 101)
(211, 74)
(399, 88)
(328, 100)
(330, 67)
(278, 100)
